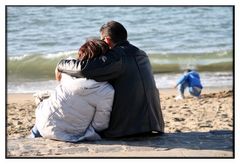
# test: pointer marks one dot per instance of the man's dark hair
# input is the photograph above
(188, 70)
(115, 31)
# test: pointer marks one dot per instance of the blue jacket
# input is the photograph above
(192, 78)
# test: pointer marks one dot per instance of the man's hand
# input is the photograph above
(58, 75)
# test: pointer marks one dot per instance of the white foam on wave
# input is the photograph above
(19, 57)
(209, 79)
(31, 87)
(46, 56)
(60, 54)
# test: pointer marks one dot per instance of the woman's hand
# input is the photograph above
(58, 75)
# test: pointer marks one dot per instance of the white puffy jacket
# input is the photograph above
(75, 110)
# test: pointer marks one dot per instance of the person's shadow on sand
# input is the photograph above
(213, 140)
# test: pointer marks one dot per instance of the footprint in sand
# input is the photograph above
(179, 119)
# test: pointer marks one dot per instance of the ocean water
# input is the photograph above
(174, 38)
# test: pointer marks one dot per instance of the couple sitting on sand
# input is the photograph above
(108, 91)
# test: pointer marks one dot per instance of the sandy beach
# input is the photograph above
(213, 112)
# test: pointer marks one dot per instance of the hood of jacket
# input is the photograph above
(80, 86)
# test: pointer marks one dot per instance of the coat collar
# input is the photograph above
(121, 43)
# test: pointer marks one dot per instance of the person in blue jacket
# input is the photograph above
(191, 80)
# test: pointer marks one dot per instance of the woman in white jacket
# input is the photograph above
(78, 107)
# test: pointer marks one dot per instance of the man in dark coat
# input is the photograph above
(136, 106)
